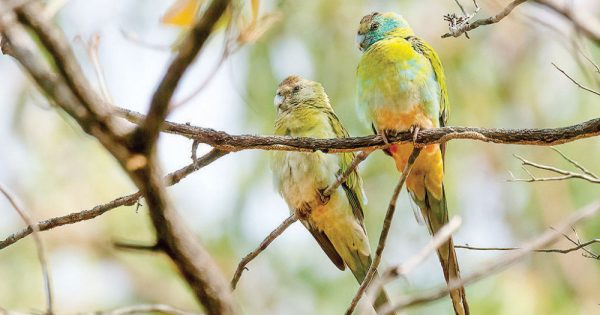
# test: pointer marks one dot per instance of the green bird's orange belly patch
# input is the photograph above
(427, 172)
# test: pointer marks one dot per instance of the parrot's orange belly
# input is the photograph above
(428, 170)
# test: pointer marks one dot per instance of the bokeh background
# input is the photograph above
(501, 77)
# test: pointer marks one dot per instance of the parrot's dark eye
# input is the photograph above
(278, 93)
(296, 88)
(374, 26)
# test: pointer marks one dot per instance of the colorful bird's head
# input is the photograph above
(377, 26)
(294, 92)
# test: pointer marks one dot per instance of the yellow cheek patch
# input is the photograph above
(427, 172)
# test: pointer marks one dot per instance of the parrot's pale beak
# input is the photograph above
(278, 100)
(360, 38)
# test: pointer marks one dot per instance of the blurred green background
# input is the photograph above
(501, 77)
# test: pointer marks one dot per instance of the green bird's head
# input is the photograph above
(377, 26)
(295, 92)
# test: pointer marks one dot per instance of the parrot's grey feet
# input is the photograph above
(387, 134)
(414, 129)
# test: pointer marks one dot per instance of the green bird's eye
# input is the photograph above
(374, 26)
(296, 88)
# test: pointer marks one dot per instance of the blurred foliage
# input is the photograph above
(501, 77)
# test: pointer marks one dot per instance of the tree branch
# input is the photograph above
(575, 81)
(189, 48)
(548, 250)
(565, 174)
(263, 245)
(72, 92)
(589, 26)
(387, 222)
(233, 143)
(145, 309)
(38, 244)
(498, 264)
(129, 200)
(404, 269)
(459, 26)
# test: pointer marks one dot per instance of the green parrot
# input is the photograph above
(336, 222)
(401, 86)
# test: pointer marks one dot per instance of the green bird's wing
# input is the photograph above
(326, 245)
(353, 185)
(426, 50)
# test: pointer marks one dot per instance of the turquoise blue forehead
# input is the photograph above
(390, 21)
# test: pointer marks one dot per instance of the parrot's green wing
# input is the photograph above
(326, 245)
(426, 50)
(353, 185)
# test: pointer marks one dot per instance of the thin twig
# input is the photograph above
(550, 250)
(190, 47)
(566, 174)
(145, 309)
(498, 264)
(404, 269)
(387, 222)
(91, 48)
(577, 165)
(587, 25)
(263, 245)
(232, 143)
(461, 26)
(129, 200)
(343, 177)
(38, 244)
(575, 81)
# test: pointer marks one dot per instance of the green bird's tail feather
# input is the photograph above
(360, 271)
(435, 213)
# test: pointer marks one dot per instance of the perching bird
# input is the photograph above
(401, 86)
(336, 222)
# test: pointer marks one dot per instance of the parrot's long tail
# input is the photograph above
(360, 271)
(436, 214)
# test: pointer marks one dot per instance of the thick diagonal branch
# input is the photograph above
(81, 102)
(188, 50)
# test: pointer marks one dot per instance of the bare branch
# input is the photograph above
(459, 26)
(343, 177)
(498, 264)
(38, 244)
(565, 174)
(129, 200)
(190, 47)
(71, 91)
(550, 250)
(232, 143)
(575, 82)
(91, 48)
(145, 309)
(263, 245)
(438, 239)
(387, 222)
(577, 165)
(587, 25)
